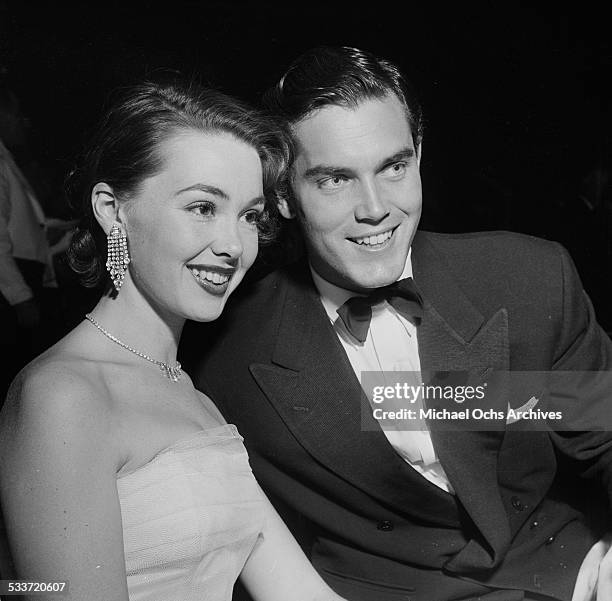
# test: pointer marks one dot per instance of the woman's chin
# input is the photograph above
(210, 312)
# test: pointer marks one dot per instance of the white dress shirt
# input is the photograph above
(391, 345)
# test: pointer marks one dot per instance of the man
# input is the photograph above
(391, 514)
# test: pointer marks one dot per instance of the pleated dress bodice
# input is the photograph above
(191, 517)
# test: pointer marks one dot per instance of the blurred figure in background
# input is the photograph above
(26, 257)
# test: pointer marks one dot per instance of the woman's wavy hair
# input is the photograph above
(125, 150)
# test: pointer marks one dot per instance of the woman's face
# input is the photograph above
(192, 227)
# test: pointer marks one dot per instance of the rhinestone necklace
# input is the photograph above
(173, 373)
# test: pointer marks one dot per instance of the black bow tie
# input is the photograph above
(403, 296)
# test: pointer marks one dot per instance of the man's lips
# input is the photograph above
(375, 238)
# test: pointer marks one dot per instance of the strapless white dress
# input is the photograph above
(191, 517)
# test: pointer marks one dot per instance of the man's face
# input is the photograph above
(357, 190)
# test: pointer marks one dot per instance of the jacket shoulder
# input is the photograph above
(499, 252)
(268, 292)
(249, 319)
(493, 241)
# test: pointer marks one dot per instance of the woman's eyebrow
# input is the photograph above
(199, 187)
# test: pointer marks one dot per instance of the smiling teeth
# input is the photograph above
(371, 240)
(211, 276)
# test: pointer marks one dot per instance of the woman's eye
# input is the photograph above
(204, 209)
(332, 183)
(253, 217)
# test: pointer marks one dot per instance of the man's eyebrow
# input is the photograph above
(331, 170)
(403, 155)
(205, 188)
(325, 170)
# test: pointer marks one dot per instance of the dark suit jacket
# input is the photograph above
(375, 528)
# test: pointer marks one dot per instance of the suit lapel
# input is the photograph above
(454, 336)
(314, 389)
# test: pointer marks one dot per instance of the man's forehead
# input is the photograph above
(334, 134)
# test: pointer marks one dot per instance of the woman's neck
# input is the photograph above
(129, 318)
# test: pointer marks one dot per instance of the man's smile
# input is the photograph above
(375, 240)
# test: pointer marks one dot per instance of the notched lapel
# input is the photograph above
(470, 457)
(441, 347)
(455, 336)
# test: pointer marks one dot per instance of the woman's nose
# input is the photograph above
(228, 242)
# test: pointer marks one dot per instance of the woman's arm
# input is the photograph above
(57, 486)
(277, 568)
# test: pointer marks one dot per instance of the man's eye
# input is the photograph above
(396, 170)
(204, 209)
(332, 183)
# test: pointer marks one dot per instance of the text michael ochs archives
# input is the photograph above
(483, 400)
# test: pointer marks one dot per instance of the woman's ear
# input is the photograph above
(105, 206)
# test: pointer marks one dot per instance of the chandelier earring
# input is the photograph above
(118, 256)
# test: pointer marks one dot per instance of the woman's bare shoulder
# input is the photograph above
(57, 378)
(59, 398)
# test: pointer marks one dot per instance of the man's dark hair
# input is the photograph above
(340, 76)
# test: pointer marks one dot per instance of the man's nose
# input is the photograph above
(371, 205)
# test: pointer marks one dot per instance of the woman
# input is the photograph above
(111, 462)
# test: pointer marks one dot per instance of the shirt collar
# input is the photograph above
(333, 296)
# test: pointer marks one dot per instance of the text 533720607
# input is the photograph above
(33, 587)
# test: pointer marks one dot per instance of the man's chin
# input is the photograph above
(363, 275)
(369, 281)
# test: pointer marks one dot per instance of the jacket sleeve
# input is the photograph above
(582, 381)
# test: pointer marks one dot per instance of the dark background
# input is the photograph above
(517, 99)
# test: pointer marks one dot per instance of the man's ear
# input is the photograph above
(284, 208)
(105, 206)
(419, 153)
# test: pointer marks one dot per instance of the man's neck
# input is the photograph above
(333, 296)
